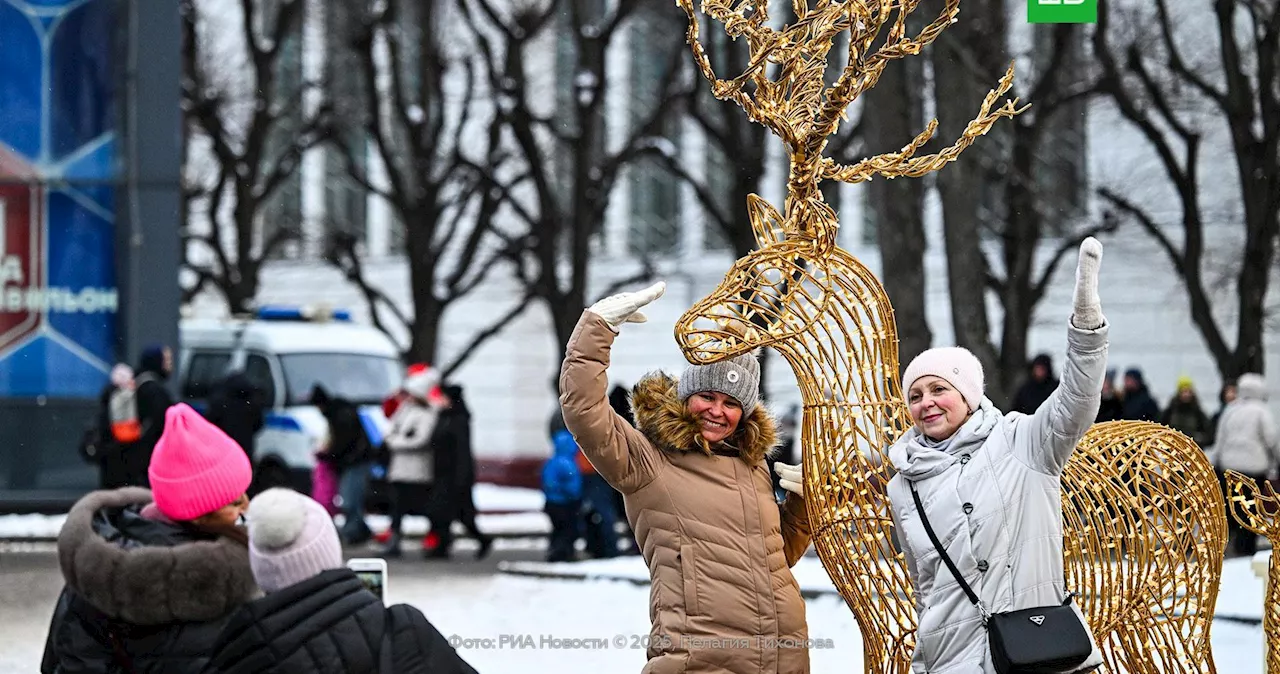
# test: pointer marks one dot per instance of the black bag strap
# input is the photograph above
(937, 545)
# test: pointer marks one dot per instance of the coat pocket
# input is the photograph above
(689, 580)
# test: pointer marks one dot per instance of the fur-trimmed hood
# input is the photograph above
(150, 584)
(667, 423)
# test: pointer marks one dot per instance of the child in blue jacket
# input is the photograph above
(562, 486)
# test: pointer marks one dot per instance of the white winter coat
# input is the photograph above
(1246, 440)
(993, 496)
(409, 441)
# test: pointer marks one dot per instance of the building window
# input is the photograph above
(283, 209)
(654, 228)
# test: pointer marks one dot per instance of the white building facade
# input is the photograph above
(508, 380)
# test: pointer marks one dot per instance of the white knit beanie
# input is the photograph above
(956, 364)
(291, 539)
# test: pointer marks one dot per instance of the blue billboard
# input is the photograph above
(58, 171)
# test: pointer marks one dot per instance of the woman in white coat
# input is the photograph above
(990, 487)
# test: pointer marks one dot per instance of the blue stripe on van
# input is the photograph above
(371, 428)
(283, 423)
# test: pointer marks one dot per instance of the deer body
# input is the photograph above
(1143, 523)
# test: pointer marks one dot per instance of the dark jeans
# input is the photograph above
(351, 488)
(564, 530)
(464, 512)
(602, 538)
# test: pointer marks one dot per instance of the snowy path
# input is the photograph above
(489, 606)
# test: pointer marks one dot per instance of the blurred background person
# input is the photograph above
(1185, 415)
(1247, 442)
(452, 494)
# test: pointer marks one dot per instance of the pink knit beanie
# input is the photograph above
(956, 365)
(196, 468)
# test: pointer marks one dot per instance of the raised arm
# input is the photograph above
(620, 453)
(793, 513)
(1045, 440)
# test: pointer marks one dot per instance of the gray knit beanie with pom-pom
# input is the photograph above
(737, 377)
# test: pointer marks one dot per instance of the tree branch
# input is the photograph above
(647, 272)
(1179, 66)
(489, 332)
(341, 253)
(1149, 224)
(1108, 225)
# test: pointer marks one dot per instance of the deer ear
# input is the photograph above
(766, 222)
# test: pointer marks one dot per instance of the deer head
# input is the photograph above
(774, 293)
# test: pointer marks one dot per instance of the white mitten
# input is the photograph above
(790, 477)
(1087, 307)
(624, 307)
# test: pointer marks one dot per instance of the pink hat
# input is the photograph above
(196, 468)
(956, 364)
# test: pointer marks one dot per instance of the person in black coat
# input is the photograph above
(352, 454)
(154, 399)
(1138, 405)
(1040, 384)
(237, 407)
(455, 476)
(317, 616)
(152, 576)
(100, 446)
(1112, 407)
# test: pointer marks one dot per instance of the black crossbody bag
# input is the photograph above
(1042, 640)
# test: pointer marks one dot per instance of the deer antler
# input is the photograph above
(797, 106)
(904, 163)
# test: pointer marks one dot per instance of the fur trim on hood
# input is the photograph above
(667, 423)
(196, 581)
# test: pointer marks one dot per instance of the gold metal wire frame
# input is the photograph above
(1144, 525)
(1257, 509)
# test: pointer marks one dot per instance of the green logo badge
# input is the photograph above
(1062, 11)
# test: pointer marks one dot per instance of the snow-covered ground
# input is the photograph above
(607, 600)
(503, 510)
(512, 610)
(490, 607)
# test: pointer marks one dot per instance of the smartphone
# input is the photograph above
(373, 573)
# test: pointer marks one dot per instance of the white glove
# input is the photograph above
(790, 477)
(624, 307)
(1087, 307)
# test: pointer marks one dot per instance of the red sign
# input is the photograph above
(21, 249)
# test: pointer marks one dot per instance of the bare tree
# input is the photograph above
(568, 171)
(894, 111)
(250, 121)
(1149, 81)
(432, 147)
(964, 61)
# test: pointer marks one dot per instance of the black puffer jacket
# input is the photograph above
(331, 623)
(142, 595)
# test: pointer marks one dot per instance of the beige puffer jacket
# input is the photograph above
(718, 546)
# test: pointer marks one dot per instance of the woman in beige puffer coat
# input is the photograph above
(698, 495)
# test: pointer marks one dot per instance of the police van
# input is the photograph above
(286, 352)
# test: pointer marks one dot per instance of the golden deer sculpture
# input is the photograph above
(1142, 509)
(1258, 511)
